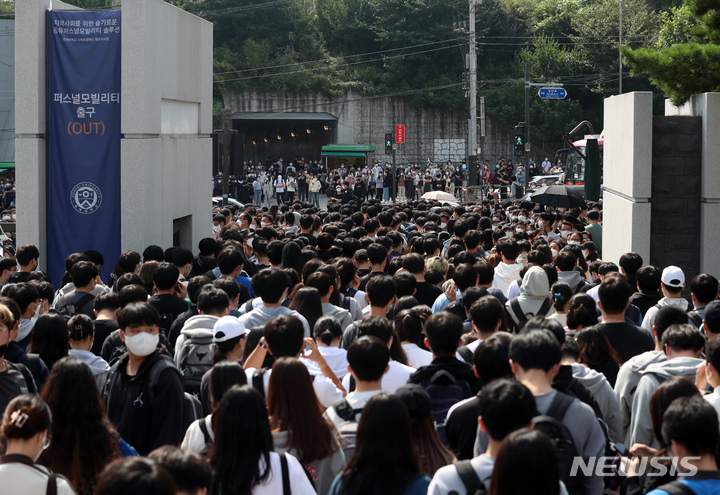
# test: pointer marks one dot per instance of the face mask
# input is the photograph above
(508, 234)
(494, 227)
(263, 224)
(522, 218)
(519, 230)
(37, 312)
(574, 243)
(586, 253)
(540, 224)
(217, 228)
(6, 218)
(514, 218)
(564, 233)
(13, 216)
(554, 252)
(142, 344)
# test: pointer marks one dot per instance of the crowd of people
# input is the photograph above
(276, 182)
(364, 348)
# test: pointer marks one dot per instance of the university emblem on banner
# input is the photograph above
(86, 198)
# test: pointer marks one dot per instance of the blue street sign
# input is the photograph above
(552, 93)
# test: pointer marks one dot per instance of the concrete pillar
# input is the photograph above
(707, 106)
(627, 175)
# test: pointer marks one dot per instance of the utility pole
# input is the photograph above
(472, 120)
(527, 125)
(226, 159)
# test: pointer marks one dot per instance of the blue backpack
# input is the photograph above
(445, 390)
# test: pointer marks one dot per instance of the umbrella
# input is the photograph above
(557, 195)
(439, 196)
(592, 170)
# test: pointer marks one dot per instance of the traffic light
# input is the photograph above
(388, 143)
(520, 139)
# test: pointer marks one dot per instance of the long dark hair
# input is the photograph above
(83, 439)
(383, 446)
(293, 407)
(50, 338)
(660, 400)
(240, 420)
(526, 463)
(306, 301)
(595, 347)
(223, 376)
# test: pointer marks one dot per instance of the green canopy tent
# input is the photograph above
(593, 170)
(349, 151)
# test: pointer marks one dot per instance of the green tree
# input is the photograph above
(684, 69)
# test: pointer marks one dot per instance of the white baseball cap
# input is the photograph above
(228, 327)
(673, 276)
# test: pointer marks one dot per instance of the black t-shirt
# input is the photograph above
(103, 329)
(461, 428)
(364, 280)
(169, 307)
(12, 384)
(18, 277)
(427, 293)
(627, 339)
(312, 241)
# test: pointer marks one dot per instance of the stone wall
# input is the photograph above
(429, 133)
(676, 168)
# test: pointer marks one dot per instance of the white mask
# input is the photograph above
(565, 233)
(6, 218)
(514, 218)
(142, 344)
(519, 230)
(586, 253)
(217, 228)
(554, 253)
(573, 243)
(443, 225)
(540, 224)
(263, 224)
(13, 216)
(509, 234)
(522, 218)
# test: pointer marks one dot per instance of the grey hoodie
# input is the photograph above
(533, 292)
(641, 423)
(602, 392)
(98, 365)
(572, 278)
(196, 326)
(649, 319)
(627, 382)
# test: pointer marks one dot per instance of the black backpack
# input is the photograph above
(192, 407)
(466, 354)
(551, 424)
(69, 310)
(695, 319)
(445, 390)
(677, 488)
(257, 380)
(468, 475)
(206, 435)
(524, 317)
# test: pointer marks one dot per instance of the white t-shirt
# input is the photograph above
(325, 389)
(194, 438)
(447, 479)
(357, 400)
(336, 358)
(396, 377)
(20, 478)
(416, 355)
(714, 399)
(273, 485)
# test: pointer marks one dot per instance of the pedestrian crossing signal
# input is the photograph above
(388, 143)
(520, 139)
